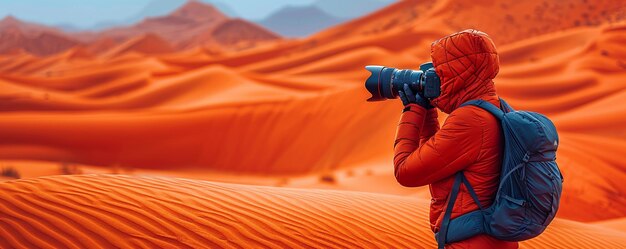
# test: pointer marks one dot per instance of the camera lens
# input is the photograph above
(385, 82)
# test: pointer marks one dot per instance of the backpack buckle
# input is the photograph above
(526, 157)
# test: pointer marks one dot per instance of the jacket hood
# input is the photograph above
(466, 63)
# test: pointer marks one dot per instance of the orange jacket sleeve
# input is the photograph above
(430, 126)
(451, 149)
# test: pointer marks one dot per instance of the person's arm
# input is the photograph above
(430, 127)
(455, 146)
(427, 122)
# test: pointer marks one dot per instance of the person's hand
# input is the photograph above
(408, 97)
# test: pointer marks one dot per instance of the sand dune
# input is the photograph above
(514, 20)
(99, 211)
(617, 224)
(580, 87)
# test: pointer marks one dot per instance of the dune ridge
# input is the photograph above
(100, 211)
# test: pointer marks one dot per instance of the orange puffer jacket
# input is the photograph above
(470, 139)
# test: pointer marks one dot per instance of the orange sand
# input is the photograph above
(617, 224)
(125, 211)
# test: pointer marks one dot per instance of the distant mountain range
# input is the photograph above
(290, 21)
(191, 25)
(17, 36)
(171, 25)
(156, 8)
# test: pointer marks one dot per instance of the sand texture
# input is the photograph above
(105, 211)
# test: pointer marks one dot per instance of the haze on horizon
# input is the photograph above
(89, 13)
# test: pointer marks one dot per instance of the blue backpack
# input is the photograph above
(530, 182)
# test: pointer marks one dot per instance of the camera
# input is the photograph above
(385, 82)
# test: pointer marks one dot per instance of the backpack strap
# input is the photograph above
(495, 111)
(443, 229)
(471, 191)
(505, 106)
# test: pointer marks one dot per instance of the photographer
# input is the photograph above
(470, 139)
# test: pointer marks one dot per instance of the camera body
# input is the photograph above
(385, 82)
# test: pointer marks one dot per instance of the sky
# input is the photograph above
(86, 13)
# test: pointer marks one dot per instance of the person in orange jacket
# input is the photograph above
(470, 139)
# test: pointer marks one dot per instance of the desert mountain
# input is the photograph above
(28, 28)
(182, 24)
(36, 39)
(233, 33)
(160, 8)
(298, 21)
(193, 24)
(183, 27)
